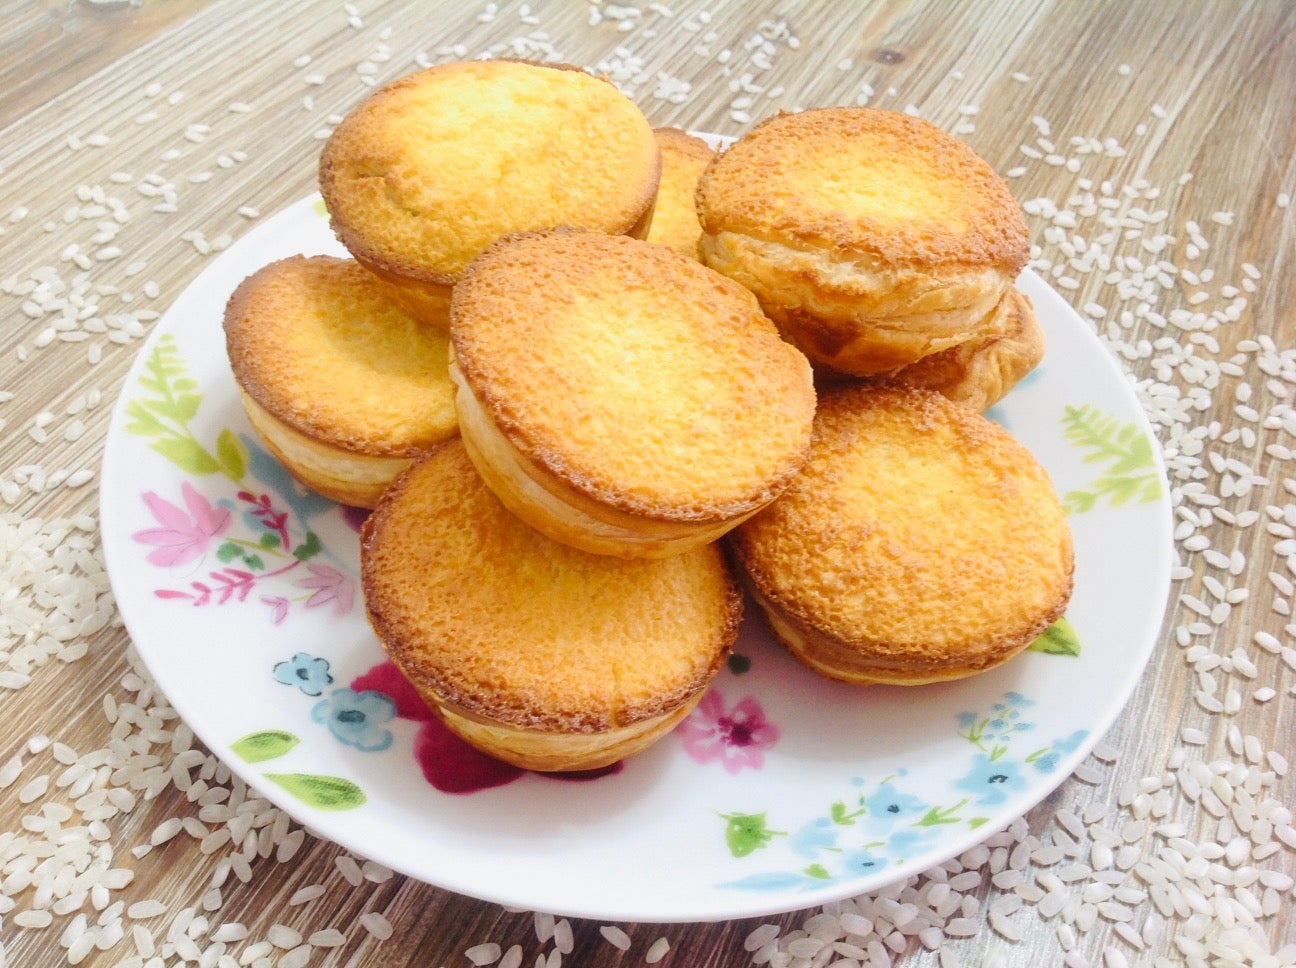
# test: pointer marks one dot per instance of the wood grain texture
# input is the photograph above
(1200, 89)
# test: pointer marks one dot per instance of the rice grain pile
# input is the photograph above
(1192, 864)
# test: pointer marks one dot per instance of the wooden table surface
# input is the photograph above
(1177, 118)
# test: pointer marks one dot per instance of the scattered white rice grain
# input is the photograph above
(34, 789)
(33, 919)
(657, 951)
(150, 908)
(376, 924)
(165, 831)
(306, 894)
(327, 938)
(617, 937)
(230, 932)
(1003, 926)
(298, 957)
(483, 954)
(1088, 774)
(562, 937)
(349, 869)
(284, 937)
(253, 953)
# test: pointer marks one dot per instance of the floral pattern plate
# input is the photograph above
(781, 791)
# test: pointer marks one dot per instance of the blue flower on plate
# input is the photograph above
(895, 815)
(990, 781)
(888, 806)
(306, 672)
(1046, 762)
(357, 718)
(860, 861)
(819, 834)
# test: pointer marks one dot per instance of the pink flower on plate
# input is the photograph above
(185, 532)
(737, 738)
(280, 606)
(330, 586)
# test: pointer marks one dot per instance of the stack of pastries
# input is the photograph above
(595, 379)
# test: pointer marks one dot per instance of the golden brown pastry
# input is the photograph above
(620, 397)
(535, 653)
(675, 221)
(430, 169)
(341, 384)
(921, 542)
(980, 372)
(871, 238)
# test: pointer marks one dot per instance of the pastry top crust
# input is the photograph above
(508, 626)
(637, 376)
(675, 220)
(428, 170)
(317, 343)
(919, 532)
(865, 183)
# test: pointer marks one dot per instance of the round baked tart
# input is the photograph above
(535, 653)
(620, 397)
(675, 221)
(339, 382)
(921, 542)
(872, 238)
(428, 170)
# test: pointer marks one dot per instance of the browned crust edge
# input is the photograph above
(476, 706)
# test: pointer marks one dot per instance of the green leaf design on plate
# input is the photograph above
(747, 832)
(1058, 639)
(170, 401)
(321, 792)
(818, 871)
(843, 816)
(309, 548)
(1131, 472)
(264, 745)
(941, 815)
(231, 454)
(187, 454)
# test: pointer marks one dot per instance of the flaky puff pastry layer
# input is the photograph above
(343, 385)
(620, 397)
(921, 542)
(536, 653)
(871, 238)
(980, 372)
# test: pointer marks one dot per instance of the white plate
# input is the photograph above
(839, 790)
